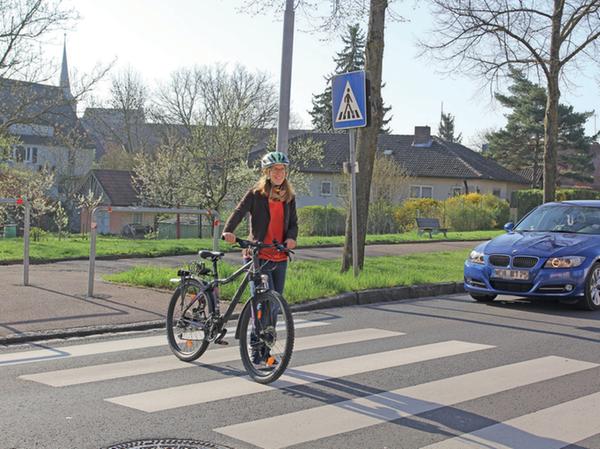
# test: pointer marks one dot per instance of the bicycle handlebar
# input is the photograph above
(259, 245)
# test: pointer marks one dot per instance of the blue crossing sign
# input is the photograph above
(349, 100)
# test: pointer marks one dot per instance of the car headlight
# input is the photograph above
(476, 257)
(564, 262)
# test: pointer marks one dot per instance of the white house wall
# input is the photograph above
(443, 188)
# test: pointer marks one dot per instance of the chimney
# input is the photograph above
(422, 136)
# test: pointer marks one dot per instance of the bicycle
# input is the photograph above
(265, 327)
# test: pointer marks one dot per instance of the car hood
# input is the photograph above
(541, 244)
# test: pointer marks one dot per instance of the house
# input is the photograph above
(436, 169)
(114, 188)
(50, 135)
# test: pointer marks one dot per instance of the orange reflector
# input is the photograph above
(271, 361)
(259, 314)
(189, 343)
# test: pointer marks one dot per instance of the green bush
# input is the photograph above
(412, 208)
(525, 200)
(321, 220)
(475, 212)
(381, 218)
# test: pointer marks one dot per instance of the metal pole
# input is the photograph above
(26, 228)
(286, 77)
(92, 268)
(352, 135)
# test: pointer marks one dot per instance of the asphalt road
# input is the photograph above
(406, 375)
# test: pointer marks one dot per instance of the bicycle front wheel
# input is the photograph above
(185, 323)
(266, 337)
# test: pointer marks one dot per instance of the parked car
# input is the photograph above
(554, 251)
(135, 231)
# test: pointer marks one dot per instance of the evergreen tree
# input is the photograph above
(446, 129)
(520, 144)
(351, 58)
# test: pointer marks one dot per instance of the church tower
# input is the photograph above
(64, 76)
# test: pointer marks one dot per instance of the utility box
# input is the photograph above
(10, 231)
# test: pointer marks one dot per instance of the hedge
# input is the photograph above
(525, 200)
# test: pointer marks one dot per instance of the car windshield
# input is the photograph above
(562, 218)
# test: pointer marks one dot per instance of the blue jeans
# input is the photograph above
(276, 272)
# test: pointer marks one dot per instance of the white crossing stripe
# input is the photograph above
(55, 353)
(550, 428)
(169, 398)
(138, 367)
(320, 422)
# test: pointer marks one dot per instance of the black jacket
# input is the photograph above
(258, 207)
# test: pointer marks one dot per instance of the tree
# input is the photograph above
(520, 143)
(446, 129)
(24, 24)
(213, 113)
(390, 181)
(486, 38)
(341, 13)
(351, 58)
(35, 186)
(61, 219)
(86, 203)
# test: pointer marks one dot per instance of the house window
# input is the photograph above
(456, 191)
(497, 192)
(19, 154)
(137, 217)
(325, 188)
(31, 155)
(421, 191)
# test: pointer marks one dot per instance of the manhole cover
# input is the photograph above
(169, 443)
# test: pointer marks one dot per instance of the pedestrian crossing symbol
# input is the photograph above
(349, 100)
(348, 109)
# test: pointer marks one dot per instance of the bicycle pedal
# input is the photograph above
(219, 340)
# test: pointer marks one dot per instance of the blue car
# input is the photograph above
(554, 252)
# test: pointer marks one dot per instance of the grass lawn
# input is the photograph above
(75, 247)
(308, 280)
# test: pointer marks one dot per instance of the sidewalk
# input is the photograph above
(55, 303)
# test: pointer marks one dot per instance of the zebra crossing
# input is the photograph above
(307, 426)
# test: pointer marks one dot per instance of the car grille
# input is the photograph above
(511, 286)
(524, 262)
(499, 260)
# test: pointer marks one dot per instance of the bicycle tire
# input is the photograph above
(195, 344)
(267, 374)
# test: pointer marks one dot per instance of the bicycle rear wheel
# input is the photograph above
(267, 339)
(185, 328)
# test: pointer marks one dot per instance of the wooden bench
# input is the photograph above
(431, 226)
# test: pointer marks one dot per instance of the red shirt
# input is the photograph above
(274, 232)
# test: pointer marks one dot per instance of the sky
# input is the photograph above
(155, 38)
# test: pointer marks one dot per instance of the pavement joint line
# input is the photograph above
(359, 298)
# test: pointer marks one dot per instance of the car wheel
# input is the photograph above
(482, 298)
(591, 299)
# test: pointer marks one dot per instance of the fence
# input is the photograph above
(26, 227)
(214, 215)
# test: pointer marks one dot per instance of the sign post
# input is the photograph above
(349, 111)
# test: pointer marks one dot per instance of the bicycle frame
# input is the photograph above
(255, 272)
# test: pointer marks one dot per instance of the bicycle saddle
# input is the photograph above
(213, 255)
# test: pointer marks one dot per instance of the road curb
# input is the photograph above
(363, 297)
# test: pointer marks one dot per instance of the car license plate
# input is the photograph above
(520, 275)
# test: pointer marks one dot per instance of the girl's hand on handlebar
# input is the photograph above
(290, 243)
(229, 237)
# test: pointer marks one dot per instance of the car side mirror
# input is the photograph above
(508, 227)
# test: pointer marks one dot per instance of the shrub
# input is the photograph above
(410, 209)
(525, 200)
(475, 211)
(321, 220)
(381, 218)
